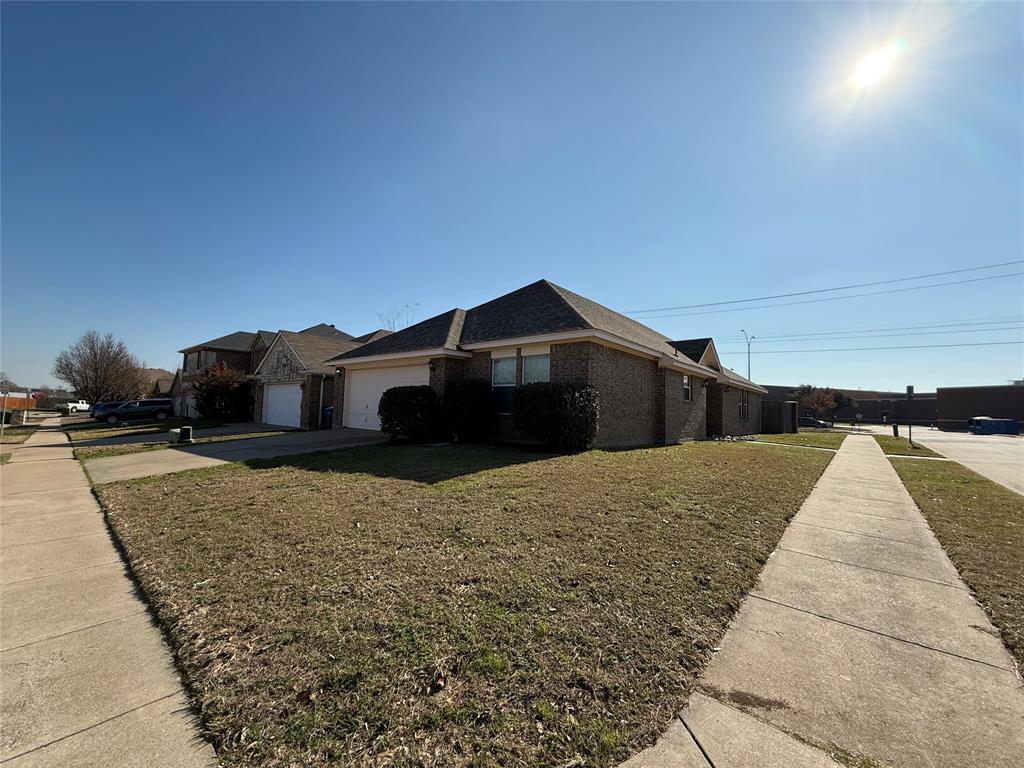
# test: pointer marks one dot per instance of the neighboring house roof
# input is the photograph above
(733, 378)
(326, 329)
(537, 309)
(439, 332)
(380, 333)
(163, 385)
(267, 337)
(238, 341)
(312, 349)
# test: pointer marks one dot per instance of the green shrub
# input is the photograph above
(410, 412)
(468, 410)
(563, 416)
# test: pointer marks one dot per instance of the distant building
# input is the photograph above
(874, 406)
(958, 404)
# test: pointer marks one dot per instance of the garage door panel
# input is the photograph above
(282, 404)
(364, 388)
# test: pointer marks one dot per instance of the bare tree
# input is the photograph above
(100, 368)
(6, 385)
(396, 319)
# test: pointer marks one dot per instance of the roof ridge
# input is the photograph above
(560, 292)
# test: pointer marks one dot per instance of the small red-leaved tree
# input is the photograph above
(224, 393)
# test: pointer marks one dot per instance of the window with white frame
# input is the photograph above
(687, 387)
(503, 383)
(536, 368)
(744, 405)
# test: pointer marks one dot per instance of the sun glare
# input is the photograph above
(876, 65)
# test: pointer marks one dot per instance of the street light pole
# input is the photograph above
(749, 339)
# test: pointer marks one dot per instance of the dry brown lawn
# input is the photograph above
(453, 606)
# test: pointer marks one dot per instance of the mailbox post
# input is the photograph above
(910, 421)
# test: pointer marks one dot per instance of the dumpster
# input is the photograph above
(984, 425)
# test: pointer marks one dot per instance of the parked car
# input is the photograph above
(808, 421)
(106, 404)
(138, 410)
(74, 406)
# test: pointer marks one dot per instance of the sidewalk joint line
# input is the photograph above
(88, 728)
(877, 570)
(58, 538)
(882, 634)
(73, 631)
(696, 741)
(869, 535)
(885, 517)
(61, 573)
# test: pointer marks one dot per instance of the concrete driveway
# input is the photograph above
(135, 465)
(998, 457)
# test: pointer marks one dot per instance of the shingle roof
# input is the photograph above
(438, 332)
(238, 341)
(536, 309)
(692, 348)
(366, 338)
(267, 337)
(741, 381)
(326, 329)
(313, 349)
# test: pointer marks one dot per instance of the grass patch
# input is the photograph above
(900, 446)
(458, 605)
(980, 524)
(808, 439)
(86, 452)
(95, 430)
(5, 456)
(16, 435)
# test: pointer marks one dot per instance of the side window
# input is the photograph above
(536, 368)
(687, 387)
(503, 383)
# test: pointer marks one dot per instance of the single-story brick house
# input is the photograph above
(651, 392)
(293, 385)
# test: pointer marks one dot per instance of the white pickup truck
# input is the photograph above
(74, 406)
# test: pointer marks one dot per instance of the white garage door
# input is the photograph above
(281, 404)
(364, 388)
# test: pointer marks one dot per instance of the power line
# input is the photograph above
(789, 339)
(837, 298)
(828, 290)
(868, 349)
(913, 327)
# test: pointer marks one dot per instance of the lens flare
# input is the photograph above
(876, 65)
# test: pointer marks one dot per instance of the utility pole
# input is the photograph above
(749, 339)
(910, 421)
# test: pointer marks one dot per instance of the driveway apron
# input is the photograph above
(85, 678)
(860, 642)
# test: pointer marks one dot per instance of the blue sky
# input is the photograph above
(173, 172)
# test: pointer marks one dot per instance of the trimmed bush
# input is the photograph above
(468, 410)
(410, 412)
(563, 416)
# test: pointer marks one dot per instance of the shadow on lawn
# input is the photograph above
(420, 463)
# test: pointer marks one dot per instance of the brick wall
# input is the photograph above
(630, 389)
(682, 419)
(310, 409)
(339, 398)
(731, 422)
(443, 370)
(714, 409)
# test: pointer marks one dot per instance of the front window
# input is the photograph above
(687, 387)
(744, 405)
(536, 368)
(503, 383)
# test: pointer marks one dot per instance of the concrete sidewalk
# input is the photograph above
(135, 465)
(85, 678)
(859, 640)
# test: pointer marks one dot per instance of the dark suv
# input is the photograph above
(137, 410)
